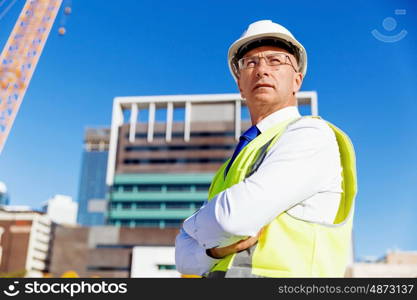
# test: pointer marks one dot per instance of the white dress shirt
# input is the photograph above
(300, 175)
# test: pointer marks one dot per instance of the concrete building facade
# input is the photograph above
(25, 238)
(154, 262)
(394, 264)
(106, 251)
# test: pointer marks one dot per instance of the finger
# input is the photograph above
(247, 243)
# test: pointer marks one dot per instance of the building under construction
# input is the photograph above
(164, 151)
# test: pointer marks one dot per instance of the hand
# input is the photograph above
(236, 247)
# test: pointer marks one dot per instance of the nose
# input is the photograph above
(262, 68)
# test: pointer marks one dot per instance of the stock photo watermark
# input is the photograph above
(69, 288)
(390, 24)
(11, 290)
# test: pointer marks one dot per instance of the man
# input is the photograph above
(282, 206)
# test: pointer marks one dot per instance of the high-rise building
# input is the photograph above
(92, 203)
(164, 151)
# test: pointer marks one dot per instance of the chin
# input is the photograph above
(264, 97)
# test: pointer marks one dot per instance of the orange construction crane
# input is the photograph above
(20, 56)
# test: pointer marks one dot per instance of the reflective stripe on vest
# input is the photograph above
(290, 247)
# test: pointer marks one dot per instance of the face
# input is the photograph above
(269, 88)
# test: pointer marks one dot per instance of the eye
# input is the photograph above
(250, 62)
(275, 60)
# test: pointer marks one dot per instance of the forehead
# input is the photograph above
(264, 49)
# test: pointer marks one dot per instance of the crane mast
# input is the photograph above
(20, 56)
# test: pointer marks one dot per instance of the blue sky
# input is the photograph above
(365, 86)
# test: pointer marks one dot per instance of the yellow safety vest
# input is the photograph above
(291, 247)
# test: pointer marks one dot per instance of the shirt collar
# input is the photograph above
(277, 117)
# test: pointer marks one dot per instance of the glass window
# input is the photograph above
(149, 187)
(124, 222)
(128, 187)
(179, 147)
(202, 187)
(147, 223)
(126, 205)
(173, 223)
(177, 205)
(167, 267)
(178, 187)
(154, 205)
(136, 161)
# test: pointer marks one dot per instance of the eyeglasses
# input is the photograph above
(272, 59)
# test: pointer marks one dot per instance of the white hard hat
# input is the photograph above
(262, 30)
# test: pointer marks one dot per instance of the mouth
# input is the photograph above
(262, 85)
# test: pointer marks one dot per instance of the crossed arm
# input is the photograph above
(292, 171)
(191, 258)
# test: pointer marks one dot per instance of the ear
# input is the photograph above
(298, 80)
(240, 89)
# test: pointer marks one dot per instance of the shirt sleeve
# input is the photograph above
(190, 257)
(296, 168)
